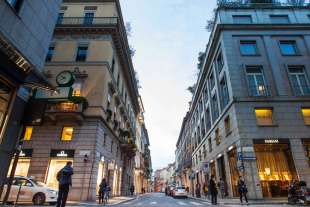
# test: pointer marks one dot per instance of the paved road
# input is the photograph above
(160, 200)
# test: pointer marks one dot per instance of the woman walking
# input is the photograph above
(242, 189)
(102, 190)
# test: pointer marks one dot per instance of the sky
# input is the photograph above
(167, 36)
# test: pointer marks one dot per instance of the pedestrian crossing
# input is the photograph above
(174, 203)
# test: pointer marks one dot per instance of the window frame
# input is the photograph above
(62, 133)
(249, 16)
(77, 52)
(60, 17)
(267, 92)
(49, 58)
(306, 120)
(300, 86)
(85, 18)
(241, 42)
(272, 16)
(272, 117)
(297, 52)
(227, 125)
(222, 89)
(25, 131)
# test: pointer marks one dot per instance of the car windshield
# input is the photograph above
(181, 188)
(37, 183)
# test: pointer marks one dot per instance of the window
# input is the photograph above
(288, 47)
(205, 94)
(15, 4)
(217, 137)
(263, 116)
(88, 18)
(224, 92)
(204, 151)
(248, 48)
(219, 62)
(211, 81)
(215, 109)
(208, 120)
(242, 19)
(104, 139)
(203, 130)
(60, 18)
(299, 80)
(81, 53)
(77, 88)
(50, 54)
(227, 125)
(279, 19)
(67, 134)
(306, 115)
(210, 144)
(256, 81)
(28, 133)
(200, 157)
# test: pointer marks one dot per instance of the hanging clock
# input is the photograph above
(65, 79)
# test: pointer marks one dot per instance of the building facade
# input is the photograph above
(250, 110)
(164, 177)
(26, 29)
(92, 118)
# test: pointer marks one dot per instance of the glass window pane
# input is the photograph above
(263, 117)
(248, 48)
(295, 85)
(28, 133)
(306, 115)
(67, 133)
(242, 19)
(279, 19)
(304, 84)
(288, 48)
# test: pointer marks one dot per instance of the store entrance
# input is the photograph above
(275, 167)
(213, 170)
(222, 174)
(55, 166)
(101, 174)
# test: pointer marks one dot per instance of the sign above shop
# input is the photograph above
(60, 93)
(271, 141)
(62, 153)
(26, 153)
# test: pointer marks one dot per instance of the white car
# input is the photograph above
(180, 192)
(31, 191)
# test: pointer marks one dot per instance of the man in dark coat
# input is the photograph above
(213, 190)
(64, 177)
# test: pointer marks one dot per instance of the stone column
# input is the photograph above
(300, 160)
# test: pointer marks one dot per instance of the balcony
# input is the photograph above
(262, 4)
(65, 111)
(128, 145)
(86, 22)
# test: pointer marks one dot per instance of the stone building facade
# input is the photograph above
(250, 111)
(26, 29)
(92, 119)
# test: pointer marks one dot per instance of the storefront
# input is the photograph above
(23, 164)
(6, 95)
(306, 143)
(101, 173)
(58, 159)
(234, 173)
(212, 169)
(221, 170)
(275, 165)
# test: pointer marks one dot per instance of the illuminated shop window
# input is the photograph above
(28, 133)
(264, 117)
(306, 115)
(77, 87)
(67, 133)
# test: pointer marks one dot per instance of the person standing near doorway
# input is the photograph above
(242, 189)
(64, 177)
(221, 186)
(213, 190)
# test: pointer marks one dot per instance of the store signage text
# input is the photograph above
(25, 153)
(62, 153)
(271, 141)
(60, 93)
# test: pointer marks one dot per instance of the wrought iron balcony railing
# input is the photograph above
(263, 4)
(87, 21)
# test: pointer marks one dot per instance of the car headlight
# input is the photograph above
(52, 191)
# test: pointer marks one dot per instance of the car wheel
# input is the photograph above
(38, 199)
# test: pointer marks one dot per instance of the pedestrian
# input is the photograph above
(64, 177)
(198, 189)
(102, 190)
(213, 190)
(205, 188)
(132, 189)
(242, 189)
(221, 185)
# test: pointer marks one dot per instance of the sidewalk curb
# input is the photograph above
(258, 202)
(125, 201)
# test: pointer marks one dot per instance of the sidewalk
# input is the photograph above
(112, 201)
(234, 201)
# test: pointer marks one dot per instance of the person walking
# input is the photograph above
(102, 190)
(213, 190)
(132, 190)
(221, 186)
(205, 189)
(242, 189)
(64, 177)
(198, 189)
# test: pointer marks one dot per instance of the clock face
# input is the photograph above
(64, 78)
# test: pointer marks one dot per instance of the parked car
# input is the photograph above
(180, 192)
(31, 191)
(170, 190)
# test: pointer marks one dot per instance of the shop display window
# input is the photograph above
(54, 167)
(101, 174)
(306, 115)
(234, 173)
(28, 133)
(67, 134)
(276, 168)
(22, 167)
(263, 116)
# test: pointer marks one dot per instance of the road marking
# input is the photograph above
(195, 203)
(153, 203)
(182, 203)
